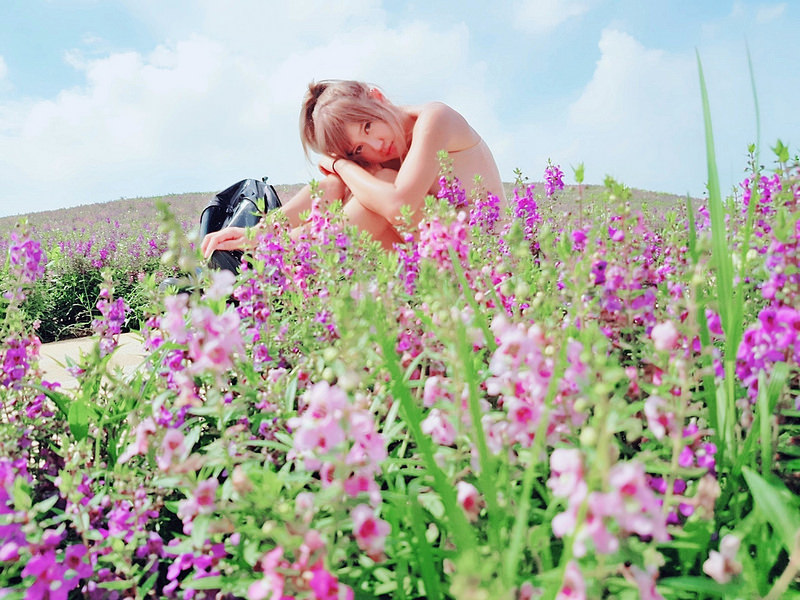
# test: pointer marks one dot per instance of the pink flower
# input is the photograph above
(636, 507)
(664, 336)
(566, 473)
(722, 566)
(174, 320)
(205, 495)
(221, 285)
(324, 437)
(144, 431)
(171, 446)
(659, 421)
(433, 391)
(439, 428)
(573, 587)
(304, 506)
(269, 587)
(469, 499)
(370, 531)
(203, 501)
(361, 484)
(646, 582)
(214, 340)
(526, 591)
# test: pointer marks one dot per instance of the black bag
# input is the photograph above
(236, 206)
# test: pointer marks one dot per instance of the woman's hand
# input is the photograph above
(326, 165)
(229, 238)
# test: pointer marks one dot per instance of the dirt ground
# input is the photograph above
(53, 357)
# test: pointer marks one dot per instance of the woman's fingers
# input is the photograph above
(230, 238)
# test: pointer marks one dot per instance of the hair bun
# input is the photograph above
(316, 88)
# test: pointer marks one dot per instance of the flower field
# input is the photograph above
(599, 402)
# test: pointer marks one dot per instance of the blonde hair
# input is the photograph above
(330, 105)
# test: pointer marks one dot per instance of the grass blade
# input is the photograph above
(768, 394)
(777, 505)
(722, 264)
(460, 527)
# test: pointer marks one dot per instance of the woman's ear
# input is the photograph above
(376, 94)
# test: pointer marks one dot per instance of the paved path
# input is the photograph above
(52, 357)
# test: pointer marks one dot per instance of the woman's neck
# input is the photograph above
(409, 119)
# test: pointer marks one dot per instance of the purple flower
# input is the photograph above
(450, 188)
(553, 179)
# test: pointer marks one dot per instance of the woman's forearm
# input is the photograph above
(377, 194)
(331, 188)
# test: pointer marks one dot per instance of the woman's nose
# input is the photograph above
(375, 144)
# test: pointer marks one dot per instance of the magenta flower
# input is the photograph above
(469, 499)
(73, 560)
(112, 318)
(370, 531)
(17, 354)
(553, 179)
(26, 265)
(327, 587)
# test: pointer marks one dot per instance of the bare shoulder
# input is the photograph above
(446, 122)
(438, 113)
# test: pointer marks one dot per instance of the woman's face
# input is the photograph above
(372, 141)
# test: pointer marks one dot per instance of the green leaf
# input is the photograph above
(204, 583)
(777, 505)
(423, 551)
(21, 493)
(148, 584)
(78, 419)
(46, 504)
(701, 585)
(123, 584)
(62, 401)
(432, 503)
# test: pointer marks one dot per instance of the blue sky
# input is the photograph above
(103, 99)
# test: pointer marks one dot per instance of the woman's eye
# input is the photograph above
(358, 150)
(367, 125)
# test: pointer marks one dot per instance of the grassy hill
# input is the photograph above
(188, 206)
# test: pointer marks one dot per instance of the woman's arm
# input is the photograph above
(437, 128)
(332, 189)
(235, 238)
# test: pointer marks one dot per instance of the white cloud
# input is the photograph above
(766, 13)
(543, 16)
(3, 68)
(209, 108)
(631, 119)
(637, 119)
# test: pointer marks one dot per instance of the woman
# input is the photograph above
(377, 158)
